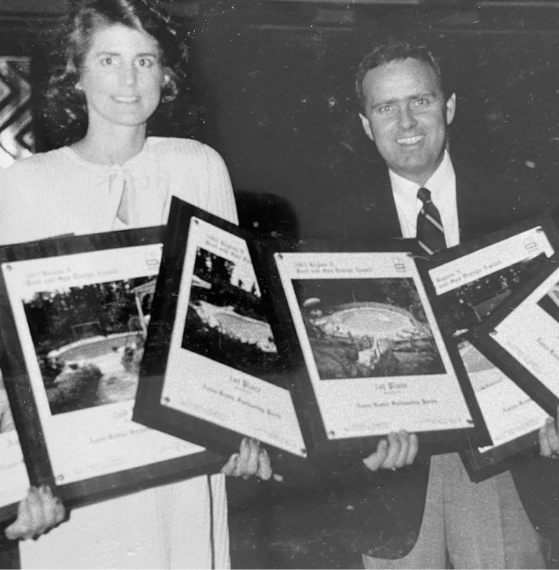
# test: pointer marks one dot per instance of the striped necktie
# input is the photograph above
(430, 232)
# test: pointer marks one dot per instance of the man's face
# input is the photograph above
(406, 116)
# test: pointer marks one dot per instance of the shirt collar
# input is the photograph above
(405, 191)
(436, 184)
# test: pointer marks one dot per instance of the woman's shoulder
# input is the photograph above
(182, 149)
(38, 165)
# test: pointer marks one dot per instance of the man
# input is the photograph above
(405, 111)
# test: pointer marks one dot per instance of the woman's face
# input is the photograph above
(121, 76)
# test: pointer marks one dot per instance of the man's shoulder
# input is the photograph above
(489, 199)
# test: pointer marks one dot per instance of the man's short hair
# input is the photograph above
(393, 51)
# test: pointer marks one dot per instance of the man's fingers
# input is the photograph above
(264, 465)
(404, 441)
(412, 449)
(394, 446)
(553, 438)
(543, 435)
(376, 459)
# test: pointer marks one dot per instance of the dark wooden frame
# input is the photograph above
(480, 465)
(149, 410)
(20, 391)
(8, 512)
(484, 341)
(345, 450)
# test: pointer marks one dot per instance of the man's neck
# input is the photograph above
(421, 178)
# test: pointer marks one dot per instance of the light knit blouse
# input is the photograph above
(59, 193)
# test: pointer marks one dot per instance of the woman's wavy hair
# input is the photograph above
(65, 103)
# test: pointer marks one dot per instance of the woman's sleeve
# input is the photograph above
(221, 200)
(16, 207)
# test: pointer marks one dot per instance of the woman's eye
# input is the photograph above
(145, 62)
(107, 61)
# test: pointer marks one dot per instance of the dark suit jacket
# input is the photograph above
(380, 514)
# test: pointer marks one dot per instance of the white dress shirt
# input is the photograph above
(442, 186)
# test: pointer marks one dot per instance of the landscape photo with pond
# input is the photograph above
(89, 341)
(226, 322)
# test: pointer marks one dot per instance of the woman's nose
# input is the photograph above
(129, 74)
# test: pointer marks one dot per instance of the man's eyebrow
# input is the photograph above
(425, 94)
(410, 98)
(383, 103)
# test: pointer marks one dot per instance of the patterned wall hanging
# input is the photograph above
(16, 131)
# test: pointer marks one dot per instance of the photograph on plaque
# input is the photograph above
(225, 320)
(367, 351)
(522, 337)
(212, 373)
(471, 281)
(385, 334)
(80, 319)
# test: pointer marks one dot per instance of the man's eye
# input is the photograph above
(421, 102)
(107, 61)
(385, 109)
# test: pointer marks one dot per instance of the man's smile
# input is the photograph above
(410, 140)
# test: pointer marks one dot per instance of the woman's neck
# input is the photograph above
(116, 147)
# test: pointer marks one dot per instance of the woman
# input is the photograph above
(120, 60)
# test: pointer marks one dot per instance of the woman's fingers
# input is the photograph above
(231, 465)
(251, 460)
(37, 513)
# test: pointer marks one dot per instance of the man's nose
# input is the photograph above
(407, 118)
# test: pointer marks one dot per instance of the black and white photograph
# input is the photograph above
(89, 341)
(362, 122)
(212, 374)
(367, 328)
(225, 320)
(466, 307)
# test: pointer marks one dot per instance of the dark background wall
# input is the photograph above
(272, 86)
(285, 116)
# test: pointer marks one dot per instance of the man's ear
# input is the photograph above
(450, 108)
(367, 126)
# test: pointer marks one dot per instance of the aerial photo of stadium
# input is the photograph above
(367, 328)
